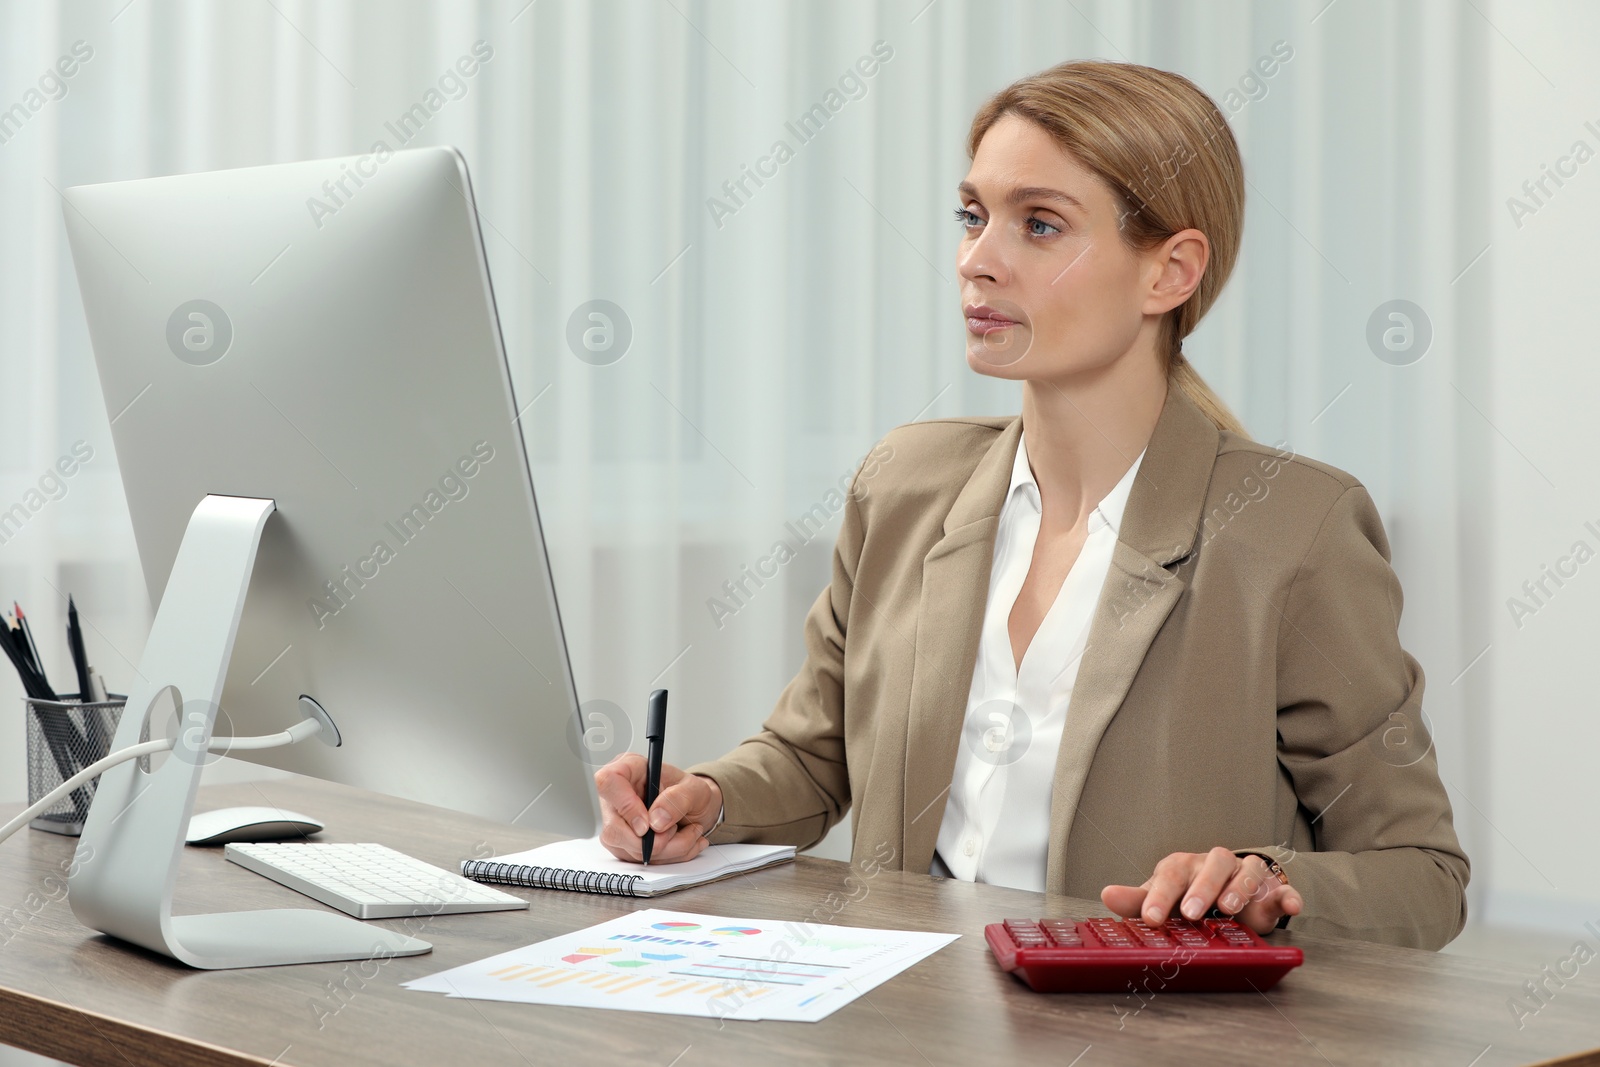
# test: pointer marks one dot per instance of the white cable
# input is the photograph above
(303, 730)
(300, 731)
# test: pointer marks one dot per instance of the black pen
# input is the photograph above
(93, 723)
(655, 735)
(80, 658)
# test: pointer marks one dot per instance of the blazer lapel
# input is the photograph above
(1160, 527)
(955, 586)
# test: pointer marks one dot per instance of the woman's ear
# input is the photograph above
(1177, 266)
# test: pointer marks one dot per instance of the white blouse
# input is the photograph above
(996, 825)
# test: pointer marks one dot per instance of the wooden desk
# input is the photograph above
(78, 996)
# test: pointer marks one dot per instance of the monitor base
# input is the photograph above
(225, 940)
(126, 864)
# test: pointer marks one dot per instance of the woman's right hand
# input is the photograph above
(685, 810)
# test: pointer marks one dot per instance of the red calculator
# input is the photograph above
(1116, 955)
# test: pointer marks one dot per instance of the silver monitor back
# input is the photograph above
(324, 334)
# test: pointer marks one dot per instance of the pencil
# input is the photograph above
(27, 632)
(12, 639)
(59, 732)
(15, 657)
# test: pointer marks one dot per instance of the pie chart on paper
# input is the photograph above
(736, 931)
(681, 928)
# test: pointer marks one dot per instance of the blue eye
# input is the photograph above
(1041, 222)
(966, 218)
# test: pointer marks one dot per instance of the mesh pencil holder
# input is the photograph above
(64, 737)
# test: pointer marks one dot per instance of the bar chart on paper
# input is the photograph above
(689, 984)
(682, 964)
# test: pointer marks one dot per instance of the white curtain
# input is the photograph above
(777, 331)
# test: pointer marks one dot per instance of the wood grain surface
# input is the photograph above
(81, 997)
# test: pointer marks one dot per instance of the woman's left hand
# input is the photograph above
(1243, 888)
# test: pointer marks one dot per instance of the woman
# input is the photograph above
(1111, 646)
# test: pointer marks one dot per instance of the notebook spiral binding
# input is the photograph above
(621, 885)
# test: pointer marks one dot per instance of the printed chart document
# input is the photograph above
(678, 963)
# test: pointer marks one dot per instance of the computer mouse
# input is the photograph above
(249, 824)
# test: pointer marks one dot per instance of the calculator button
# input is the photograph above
(1025, 933)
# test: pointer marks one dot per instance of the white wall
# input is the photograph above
(1541, 862)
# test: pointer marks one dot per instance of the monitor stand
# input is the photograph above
(127, 860)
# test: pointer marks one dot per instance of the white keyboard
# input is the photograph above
(370, 881)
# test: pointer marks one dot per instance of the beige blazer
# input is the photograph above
(1243, 684)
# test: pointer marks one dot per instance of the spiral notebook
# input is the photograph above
(586, 866)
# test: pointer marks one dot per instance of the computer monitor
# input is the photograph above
(323, 335)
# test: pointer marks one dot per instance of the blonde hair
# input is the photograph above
(1139, 129)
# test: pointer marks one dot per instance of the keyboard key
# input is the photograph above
(370, 881)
